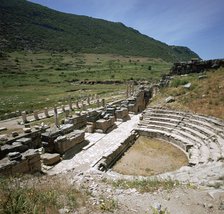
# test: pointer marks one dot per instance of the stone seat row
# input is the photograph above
(191, 121)
(201, 137)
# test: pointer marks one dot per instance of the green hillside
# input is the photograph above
(28, 26)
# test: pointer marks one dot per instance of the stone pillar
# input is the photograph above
(88, 100)
(103, 102)
(84, 107)
(70, 103)
(46, 112)
(56, 116)
(127, 91)
(35, 114)
(133, 88)
(77, 105)
(55, 110)
(66, 113)
(97, 103)
(130, 89)
(24, 117)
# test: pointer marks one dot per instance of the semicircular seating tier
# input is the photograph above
(201, 137)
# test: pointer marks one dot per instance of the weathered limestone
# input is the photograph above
(46, 112)
(56, 122)
(88, 100)
(121, 114)
(84, 107)
(35, 114)
(127, 91)
(66, 113)
(50, 159)
(201, 137)
(104, 124)
(78, 121)
(24, 118)
(98, 103)
(3, 129)
(64, 143)
(103, 102)
(77, 105)
(70, 103)
(27, 162)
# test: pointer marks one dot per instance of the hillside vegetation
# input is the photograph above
(32, 81)
(205, 96)
(28, 26)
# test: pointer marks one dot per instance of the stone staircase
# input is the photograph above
(202, 138)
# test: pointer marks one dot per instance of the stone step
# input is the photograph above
(194, 139)
(173, 116)
(207, 125)
(203, 130)
(193, 156)
(215, 122)
(163, 119)
(159, 123)
(192, 131)
(215, 151)
(205, 154)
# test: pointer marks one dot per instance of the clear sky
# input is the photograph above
(197, 24)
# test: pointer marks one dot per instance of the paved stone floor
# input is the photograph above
(99, 144)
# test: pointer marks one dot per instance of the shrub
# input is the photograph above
(178, 82)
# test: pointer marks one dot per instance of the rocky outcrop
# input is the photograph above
(195, 66)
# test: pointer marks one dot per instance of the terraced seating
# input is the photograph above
(201, 137)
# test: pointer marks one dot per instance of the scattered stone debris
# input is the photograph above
(187, 86)
(3, 129)
(170, 99)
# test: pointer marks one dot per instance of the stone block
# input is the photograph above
(50, 135)
(15, 134)
(104, 124)
(3, 137)
(27, 130)
(64, 143)
(25, 141)
(15, 147)
(14, 156)
(67, 128)
(3, 129)
(121, 113)
(50, 159)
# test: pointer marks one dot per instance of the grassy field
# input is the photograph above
(205, 96)
(31, 81)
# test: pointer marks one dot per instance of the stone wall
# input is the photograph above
(195, 66)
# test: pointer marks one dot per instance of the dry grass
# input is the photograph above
(206, 96)
(38, 195)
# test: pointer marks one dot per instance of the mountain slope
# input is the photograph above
(29, 26)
